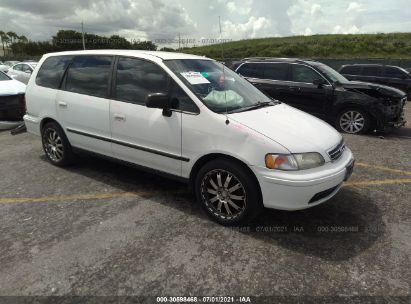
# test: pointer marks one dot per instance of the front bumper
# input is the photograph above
(394, 118)
(296, 190)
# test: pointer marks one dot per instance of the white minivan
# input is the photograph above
(187, 117)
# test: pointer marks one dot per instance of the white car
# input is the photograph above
(22, 71)
(191, 118)
(12, 103)
(4, 68)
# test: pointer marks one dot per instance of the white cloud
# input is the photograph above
(321, 17)
(253, 28)
(240, 7)
(354, 7)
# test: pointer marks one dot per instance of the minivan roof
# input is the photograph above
(153, 55)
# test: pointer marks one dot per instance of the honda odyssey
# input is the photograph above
(191, 118)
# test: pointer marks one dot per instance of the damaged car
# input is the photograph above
(313, 87)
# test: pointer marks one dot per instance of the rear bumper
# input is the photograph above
(303, 189)
(32, 124)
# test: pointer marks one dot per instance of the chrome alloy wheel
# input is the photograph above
(223, 194)
(53, 145)
(352, 122)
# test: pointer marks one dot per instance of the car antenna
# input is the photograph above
(222, 58)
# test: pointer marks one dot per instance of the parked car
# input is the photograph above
(353, 107)
(188, 117)
(22, 71)
(392, 76)
(12, 103)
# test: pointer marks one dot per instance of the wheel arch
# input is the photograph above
(46, 120)
(212, 156)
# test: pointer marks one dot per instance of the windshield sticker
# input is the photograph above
(194, 77)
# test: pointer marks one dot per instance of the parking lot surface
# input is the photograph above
(100, 228)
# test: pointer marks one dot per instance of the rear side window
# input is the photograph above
(89, 75)
(137, 78)
(301, 73)
(252, 70)
(393, 72)
(371, 71)
(276, 71)
(18, 67)
(52, 71)
(351, 70)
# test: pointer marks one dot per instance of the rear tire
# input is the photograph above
(353, 121)
(56, 145)
(228, 192)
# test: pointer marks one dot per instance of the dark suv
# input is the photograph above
(392, 76)
(353, 107)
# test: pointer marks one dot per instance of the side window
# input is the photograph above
(393, 72)
(89, 75)
(371, 71)
(137, 78)
(26, 68)
(302, 73)
(18, 67)
(252, 70)
(276, 71)
(181, 101)
(351, 70)
(52, 70)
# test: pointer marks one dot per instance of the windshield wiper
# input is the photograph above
(258, 105)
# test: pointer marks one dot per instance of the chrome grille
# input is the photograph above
(336, 152)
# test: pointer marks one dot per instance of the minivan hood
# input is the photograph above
(295, 130)
(366, 85)
(11, 87)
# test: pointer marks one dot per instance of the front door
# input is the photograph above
(306, 95)
(144, 135)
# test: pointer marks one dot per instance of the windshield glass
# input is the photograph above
(4, 76)
(218, 90)
(331, 74)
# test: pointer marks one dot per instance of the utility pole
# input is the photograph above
(179, 39)
(82, 34)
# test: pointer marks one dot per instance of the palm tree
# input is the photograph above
(12, 36)
(5, 40)
(2, 37)
(22, 39)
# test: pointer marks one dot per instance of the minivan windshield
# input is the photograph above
(219, 88)
(331, 74)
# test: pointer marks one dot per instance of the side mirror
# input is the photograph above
(319, 82)
(159, 101)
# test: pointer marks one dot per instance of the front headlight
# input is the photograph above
(293, 162)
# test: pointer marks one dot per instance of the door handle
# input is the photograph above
(62, 104)
(294, 88)
(119, 117)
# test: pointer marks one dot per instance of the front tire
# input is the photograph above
(228, 192)
(56, 145)
(353, 121)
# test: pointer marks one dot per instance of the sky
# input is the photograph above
(197, 21)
